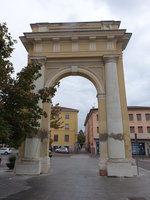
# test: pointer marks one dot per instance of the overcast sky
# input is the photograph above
(77, 92)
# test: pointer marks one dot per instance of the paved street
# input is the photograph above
(73, 177)
(144, 163)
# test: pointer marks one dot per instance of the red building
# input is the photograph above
(92, 131)
(139, 123)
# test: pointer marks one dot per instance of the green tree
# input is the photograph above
(81, 137)
(20, 111)
(6, 81)
(56, 120)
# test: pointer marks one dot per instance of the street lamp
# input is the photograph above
(136, 143)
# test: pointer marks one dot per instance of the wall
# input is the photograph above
(72, 131)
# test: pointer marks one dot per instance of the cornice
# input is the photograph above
(77, 32)
(119, 35)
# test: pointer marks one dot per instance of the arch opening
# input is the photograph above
(80, 96)
(98, 83)
(79, 93)
(84, 73)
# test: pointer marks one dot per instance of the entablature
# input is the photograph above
(84, 36)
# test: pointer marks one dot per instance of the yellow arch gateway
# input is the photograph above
(92, 50)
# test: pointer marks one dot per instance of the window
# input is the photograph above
(140, 129)
(130, 117)
(147, 116)
(66, 126)
(55, 138)
(138, 117)
(66, 116)
(97, 129)
(148, 129)
(132, 129)
(66, 138)
(97, 117)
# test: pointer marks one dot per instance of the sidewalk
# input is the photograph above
(74, 178)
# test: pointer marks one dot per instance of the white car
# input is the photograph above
(5, 150)
(62, 150)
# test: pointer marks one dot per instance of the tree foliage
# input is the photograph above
(56, 120)
(19, 103)
(6, 81)
(81, 137)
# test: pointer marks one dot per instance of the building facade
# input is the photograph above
(67, 135)
(139, 121)
(92, 131)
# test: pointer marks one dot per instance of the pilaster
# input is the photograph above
(114, 116)
(34, 152)
(117, 164)
(103, 136)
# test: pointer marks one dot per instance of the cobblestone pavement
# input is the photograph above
(73, 177)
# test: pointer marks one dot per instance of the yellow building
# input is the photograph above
(67, 135)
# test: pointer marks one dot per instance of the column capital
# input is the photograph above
(92, 38)
(101, 96)
(56, 39)
(74, 38)
(111, 58)
(38, 59)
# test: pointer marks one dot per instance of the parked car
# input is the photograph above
(5, 150)
(62, 150)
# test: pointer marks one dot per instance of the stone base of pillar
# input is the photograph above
(103, 172)
(28, 166)
(102, 166)
(45, 165)
(121, 168)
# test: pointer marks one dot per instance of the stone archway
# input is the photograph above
(92, 50)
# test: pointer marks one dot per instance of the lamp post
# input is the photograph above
(136, 143)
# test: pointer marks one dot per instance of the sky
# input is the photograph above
(77, 92)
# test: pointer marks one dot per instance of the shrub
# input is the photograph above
(12, 159)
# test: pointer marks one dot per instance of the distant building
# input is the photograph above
(139, 123)
(67, 135)
(92, 131)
